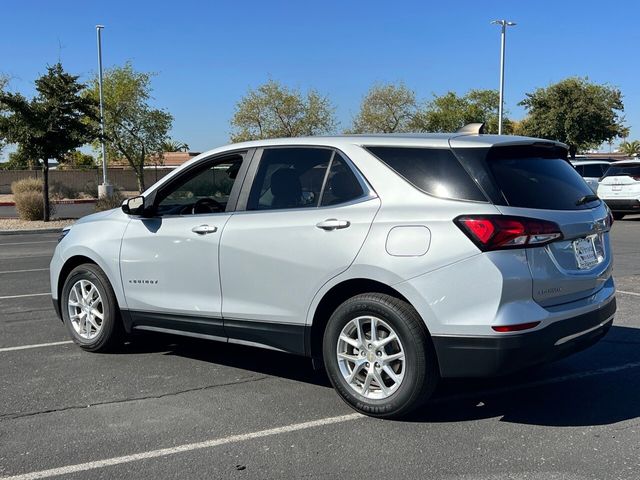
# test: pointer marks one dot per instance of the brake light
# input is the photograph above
(497, 232)
(515, 328)
(636, 178)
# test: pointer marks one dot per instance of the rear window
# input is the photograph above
(537, 178)
(434, 171)
(631, 170)
(593, 170)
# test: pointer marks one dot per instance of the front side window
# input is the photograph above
(302, 177)
(203, 190)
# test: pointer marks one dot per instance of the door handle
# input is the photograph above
(333, 224)
(204, 229)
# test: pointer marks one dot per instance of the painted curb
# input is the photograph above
(29, 232)
(79, 201)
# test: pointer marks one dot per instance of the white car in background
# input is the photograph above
(620, 188)
(591, 171)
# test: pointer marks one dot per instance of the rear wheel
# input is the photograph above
(90, 310)
(618, 215)
(379, 356)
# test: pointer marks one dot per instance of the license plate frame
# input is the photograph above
(585, 252)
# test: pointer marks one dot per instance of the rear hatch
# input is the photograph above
(621, 181)
(536, 181)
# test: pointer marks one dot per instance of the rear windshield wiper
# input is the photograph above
(587, 199)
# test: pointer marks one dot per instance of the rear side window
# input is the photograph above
(302, 177)
(632, 170)
(536, 178)
(432, 170)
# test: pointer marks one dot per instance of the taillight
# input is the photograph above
(636, 178)
(515, 328)
(497, 232)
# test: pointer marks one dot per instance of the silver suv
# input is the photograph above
(395, 260)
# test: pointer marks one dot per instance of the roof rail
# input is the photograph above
(477, 128)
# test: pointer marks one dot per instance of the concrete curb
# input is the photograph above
(29, 232)
(57, 202)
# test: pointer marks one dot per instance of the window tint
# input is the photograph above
(631, 170)
(204, 190)
(593, 170)
(434, 171)
(579, 169)
(341, 185)
(529, 178)
(289, 178)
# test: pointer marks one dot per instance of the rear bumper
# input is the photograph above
(460, 356)
(629, 205)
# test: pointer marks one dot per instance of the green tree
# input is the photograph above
(19, 160)
(386, 108)
(134, 130)
(51, 124)
(77, 160)
(170, 145)
(273, 110)
(575, 111)
(449, 112)
(630, 149)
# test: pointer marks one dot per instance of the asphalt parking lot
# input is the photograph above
(171, 407)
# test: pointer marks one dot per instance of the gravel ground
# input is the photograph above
(17, 224)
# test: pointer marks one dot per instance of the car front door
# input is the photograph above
(169, 261)
(306, 215)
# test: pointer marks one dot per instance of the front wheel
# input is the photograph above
(379, 356)
(90, 310)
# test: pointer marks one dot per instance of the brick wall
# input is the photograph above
(84, 179)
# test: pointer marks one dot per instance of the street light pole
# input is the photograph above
(104, 190)
(504, 24)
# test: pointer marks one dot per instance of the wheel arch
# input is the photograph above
(331, 299)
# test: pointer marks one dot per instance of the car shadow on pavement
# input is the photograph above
(258, 360)
(599, 386)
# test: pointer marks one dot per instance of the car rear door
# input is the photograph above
(307, 213)
(538, 182)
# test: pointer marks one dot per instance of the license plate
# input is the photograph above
(616, 188)
(585, 250)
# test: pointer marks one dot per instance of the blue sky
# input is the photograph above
(207, 54)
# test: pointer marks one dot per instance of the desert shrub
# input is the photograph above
(30, 205)
(29, 184)
(90, 189)
(59, 190)
(107, 203)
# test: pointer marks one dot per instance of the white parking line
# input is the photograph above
(29, 243)
(25, 295)
(163, 452)
(629, 293)
(25, 271)
(37, 345)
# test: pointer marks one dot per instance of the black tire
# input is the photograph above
(618, 215)
(421, 373)
(111, 331)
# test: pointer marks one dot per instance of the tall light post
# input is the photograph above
(504, 24)
(104, 190)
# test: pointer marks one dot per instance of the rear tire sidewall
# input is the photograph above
(420, 377)
(109, 330)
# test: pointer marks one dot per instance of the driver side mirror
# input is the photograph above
(134, 206)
